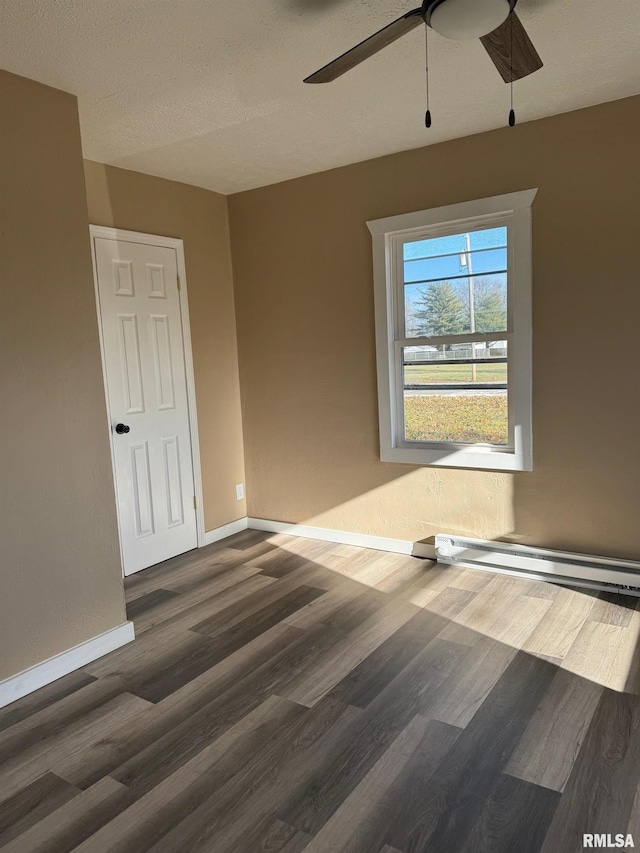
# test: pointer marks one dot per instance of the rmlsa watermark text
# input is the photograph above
(602, 840)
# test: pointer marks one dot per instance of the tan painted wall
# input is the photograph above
(303, 280)
(60, 575)
(129, 200)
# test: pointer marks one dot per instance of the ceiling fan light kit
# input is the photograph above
(467, 19)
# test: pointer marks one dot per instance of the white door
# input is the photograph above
(147, 400)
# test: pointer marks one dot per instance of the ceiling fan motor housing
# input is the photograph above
(466, 19)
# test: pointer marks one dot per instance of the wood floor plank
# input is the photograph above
(455, 633)
(321, 608)
(155, 814)
(177, 668)
(548, 589)
(450, 602)
(613, 609)
(218, 823)
(44, 698)
(405, 572)
(148, 601)
(359, 824)
(435, 578)
(175, 606)
(366, 681)
(606, 654)
(390, 712)
(245, 540)
(385, 572)
(153, 644)
(515, 817)
(191, 614)
(503, 611)
(440, 817)
(162, 684)
(165, 754)
(556, 632)
(242, 609)
(318, 575)
(270, 835)
(177, 727)
(462, 694)
(22, 769)
(277, 610)
(472, 579)
(600, 792)
(309, 687)
(355, 610)
(302, 545)
(633, 827)
(349, 562)
(197, 577)
(33, 803)
(75, 821)
(379, 572)
(50, 721)
(203, 563)
(155, 576)
(248, 662)
(281, 562)
(552, 740)
(85, 767)
(259, 786)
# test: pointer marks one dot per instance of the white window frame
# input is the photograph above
(512, 210)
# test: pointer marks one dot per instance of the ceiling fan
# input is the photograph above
(493, 21)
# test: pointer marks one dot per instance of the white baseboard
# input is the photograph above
(343, 537)
(225, 530)
(17, 686)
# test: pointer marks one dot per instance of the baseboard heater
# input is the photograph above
(540, 564)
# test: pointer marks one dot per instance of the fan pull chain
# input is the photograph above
(427, 115)
(512, 113)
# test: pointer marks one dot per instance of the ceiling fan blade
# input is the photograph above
(525, 58)
(367, 48)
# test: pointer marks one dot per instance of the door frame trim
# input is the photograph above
(118, 234)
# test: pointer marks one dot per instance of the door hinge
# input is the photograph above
(195, 502)
(178, 278)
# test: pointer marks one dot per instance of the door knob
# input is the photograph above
(122, 428)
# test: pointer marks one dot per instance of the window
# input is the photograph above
(453, 334)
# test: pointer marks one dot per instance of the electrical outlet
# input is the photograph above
(239, 491)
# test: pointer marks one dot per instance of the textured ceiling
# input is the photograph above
(210, 92)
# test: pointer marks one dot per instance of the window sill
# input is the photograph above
(484, 459)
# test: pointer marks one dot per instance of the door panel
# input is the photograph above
(130, 363)
(147, 391)
(161, 345)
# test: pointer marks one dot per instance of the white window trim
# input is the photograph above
(513, 209)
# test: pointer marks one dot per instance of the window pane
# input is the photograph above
(455, 266)
(484, 238)
(463, 403)
(456, 352)
(435, 246)
(442, 307)
(456, 284)
(488, 237)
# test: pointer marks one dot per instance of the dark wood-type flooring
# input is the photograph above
(292, 695)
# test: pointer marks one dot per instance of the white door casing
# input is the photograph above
(143, 319)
